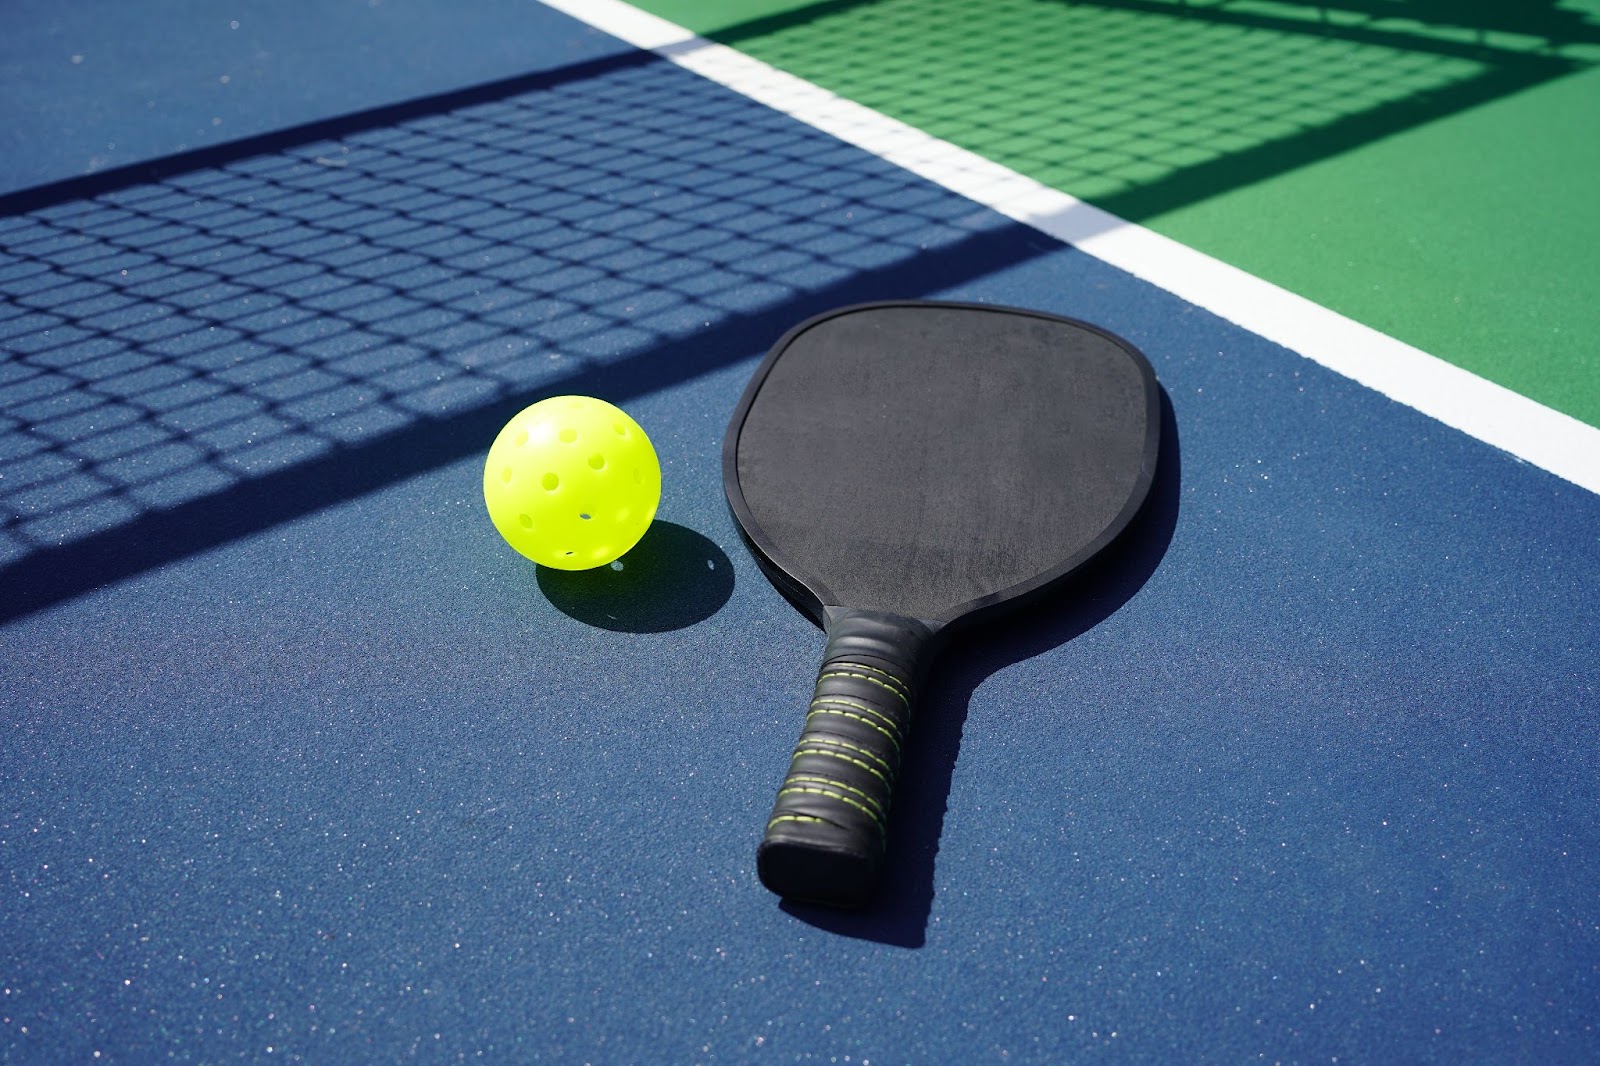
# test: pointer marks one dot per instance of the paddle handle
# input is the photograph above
(827, 834)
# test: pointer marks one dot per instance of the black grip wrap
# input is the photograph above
(826, 837)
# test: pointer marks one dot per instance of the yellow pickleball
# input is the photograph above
(572, 482)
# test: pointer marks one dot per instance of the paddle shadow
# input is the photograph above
(672, 579)
(898, 915)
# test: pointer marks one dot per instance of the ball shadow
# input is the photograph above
(671, 579)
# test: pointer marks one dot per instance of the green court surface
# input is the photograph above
(1426, 168)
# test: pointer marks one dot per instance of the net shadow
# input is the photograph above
(228, 340)
(1551, 23)
(199, 348)
(1146, 106)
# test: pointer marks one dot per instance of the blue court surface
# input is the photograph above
(300, 760)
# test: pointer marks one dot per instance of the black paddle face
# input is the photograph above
(900, 468)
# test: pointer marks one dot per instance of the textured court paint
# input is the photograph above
(1343, 168)
(1314, 774)
(1330, 753)
(96, 84)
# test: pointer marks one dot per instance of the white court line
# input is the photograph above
(1537, 434)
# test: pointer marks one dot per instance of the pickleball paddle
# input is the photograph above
(900, 470)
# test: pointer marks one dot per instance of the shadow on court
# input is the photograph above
(203, 348)
(671, 579)
(206, 347)
(1146, 106)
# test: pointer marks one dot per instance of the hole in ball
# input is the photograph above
(505, 475)
(522, 438)
(569, 435)
(550, 482)
(584, 516)
(621, 430)
(527, 522)
(597, 461)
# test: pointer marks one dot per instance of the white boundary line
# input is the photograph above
(1548, 439)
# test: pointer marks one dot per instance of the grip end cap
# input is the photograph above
(806, 871)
